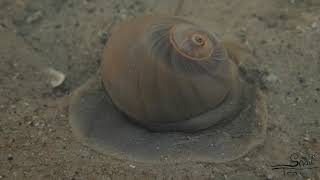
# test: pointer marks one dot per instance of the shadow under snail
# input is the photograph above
(165, 79)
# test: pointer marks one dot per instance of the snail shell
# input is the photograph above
(164, 73)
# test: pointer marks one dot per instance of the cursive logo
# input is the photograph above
(297, 163)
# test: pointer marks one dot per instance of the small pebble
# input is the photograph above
(30, 123)
(271, 78)
(247, 159)
(306, 137)
(132, 166)
(10, 157)
(34, 17)
(300, 29)
(314, 25)
(84, 153)
(123, 14)
(56, 78)
(225, 176)
(103, 37)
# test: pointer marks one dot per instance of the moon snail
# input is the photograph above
(169, 88)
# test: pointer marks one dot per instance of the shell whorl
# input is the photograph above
(176, 42)
(190, 42)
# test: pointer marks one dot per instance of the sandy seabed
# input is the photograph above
(36, 141)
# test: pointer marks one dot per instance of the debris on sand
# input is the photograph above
(34, 17)
(103, 36)
(56, 78)
(272, 78)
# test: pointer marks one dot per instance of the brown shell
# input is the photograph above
(162, 72)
